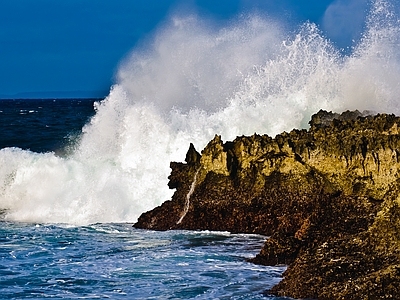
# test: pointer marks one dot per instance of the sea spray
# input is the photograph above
(189, 83)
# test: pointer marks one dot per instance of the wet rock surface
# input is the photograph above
(328, 197)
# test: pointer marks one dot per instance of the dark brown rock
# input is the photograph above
(328, 197)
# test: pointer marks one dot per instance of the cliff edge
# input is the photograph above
(328, 197)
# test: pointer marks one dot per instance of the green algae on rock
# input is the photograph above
(328, 197)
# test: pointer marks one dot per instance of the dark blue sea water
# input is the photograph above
(42, 125)
(112, 260)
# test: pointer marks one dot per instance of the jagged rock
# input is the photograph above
(192, 156)
(328, 197)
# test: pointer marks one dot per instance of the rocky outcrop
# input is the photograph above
(328, 197)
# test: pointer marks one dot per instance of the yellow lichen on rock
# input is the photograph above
(214, 158)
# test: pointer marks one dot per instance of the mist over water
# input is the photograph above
(190, 82)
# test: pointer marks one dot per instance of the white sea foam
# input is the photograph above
(190, 83)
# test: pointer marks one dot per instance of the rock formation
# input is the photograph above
(328, 197)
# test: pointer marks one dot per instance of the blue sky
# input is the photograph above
(57, 48)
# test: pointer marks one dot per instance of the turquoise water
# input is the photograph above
(119, 262)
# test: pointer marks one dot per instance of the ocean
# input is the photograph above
(75, 173)
(115, 261)
(112, 260)
(43, 125)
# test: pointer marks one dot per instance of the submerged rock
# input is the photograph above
(328, 197)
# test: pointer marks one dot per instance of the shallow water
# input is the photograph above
(119, 262)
